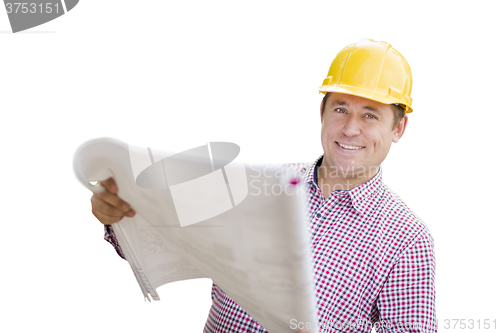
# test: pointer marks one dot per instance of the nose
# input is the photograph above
(352, 126)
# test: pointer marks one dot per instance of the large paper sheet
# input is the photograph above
(243, 226)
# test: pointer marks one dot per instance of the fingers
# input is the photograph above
(105, 219)
(110, 185)
(106, 213)
(107, 207)
(113, 200)
(103, 207)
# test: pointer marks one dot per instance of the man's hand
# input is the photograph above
(303, 330)
(107, 206)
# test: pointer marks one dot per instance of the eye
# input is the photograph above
(371, 116)
(340, 110)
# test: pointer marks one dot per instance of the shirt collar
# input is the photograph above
(359, 195)
(312, 171)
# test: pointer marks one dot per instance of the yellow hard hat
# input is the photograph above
(373, 70)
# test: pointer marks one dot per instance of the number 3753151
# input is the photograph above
(31, 8)
(470, 324)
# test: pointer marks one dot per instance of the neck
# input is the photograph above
(331, 178)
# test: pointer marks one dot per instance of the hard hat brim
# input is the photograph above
(372, 95)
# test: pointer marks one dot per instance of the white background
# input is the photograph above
(175, 74)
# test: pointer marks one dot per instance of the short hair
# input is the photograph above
(399, 111)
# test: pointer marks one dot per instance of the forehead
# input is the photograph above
(355, 101)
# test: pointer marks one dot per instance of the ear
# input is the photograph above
(400, 129)
(321, 113)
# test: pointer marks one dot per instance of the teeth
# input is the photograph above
(350, 147)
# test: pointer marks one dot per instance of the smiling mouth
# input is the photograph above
(349, 147)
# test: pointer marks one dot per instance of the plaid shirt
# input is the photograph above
(373, 262)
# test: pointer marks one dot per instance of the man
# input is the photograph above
(373, 257)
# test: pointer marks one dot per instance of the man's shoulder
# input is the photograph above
(398, 215)
(299, 167)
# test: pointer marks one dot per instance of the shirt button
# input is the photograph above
(318, 215)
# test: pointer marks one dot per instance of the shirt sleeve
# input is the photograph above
(407, 300)
(110, 237)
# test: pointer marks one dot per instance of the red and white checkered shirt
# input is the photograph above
(373, 261)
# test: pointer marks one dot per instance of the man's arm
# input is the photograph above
(110, 237)
(407, 300)
(108, 208)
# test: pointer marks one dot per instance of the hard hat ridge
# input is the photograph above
(373, 70)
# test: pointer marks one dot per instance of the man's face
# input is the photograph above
(357, 134)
